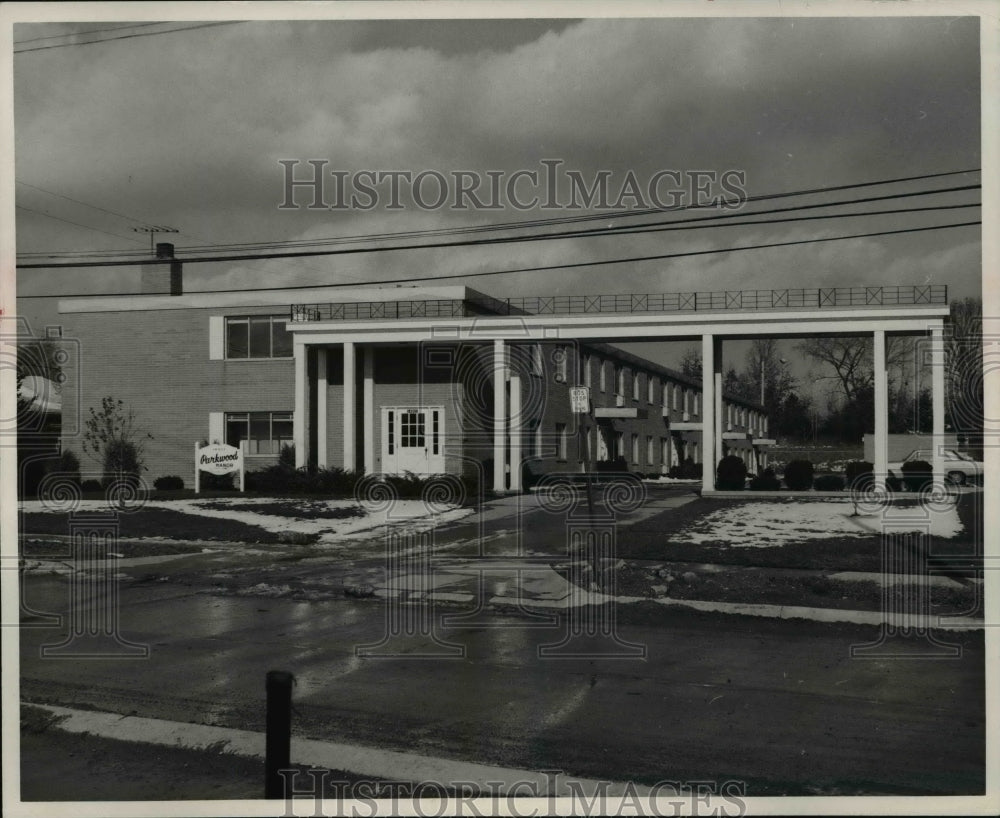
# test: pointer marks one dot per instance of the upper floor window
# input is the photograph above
(586, 371)
(650, 389)
(602, 376)
(635, 386)
(666, 395)
(620, 380)
(258, 336)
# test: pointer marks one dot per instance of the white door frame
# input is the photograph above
(423, 458)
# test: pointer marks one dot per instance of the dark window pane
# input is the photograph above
(282, 347)
(281, 430)
(236, 430)
(236, 339)
(260, 337)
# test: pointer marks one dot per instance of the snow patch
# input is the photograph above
(764, 525)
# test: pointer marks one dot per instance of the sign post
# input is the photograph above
(579, 399)
(217, 458)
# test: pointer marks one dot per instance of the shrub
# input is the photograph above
(799, 475)
(765, 481)
(216, 482)
(89, 486)
(829, 482)
(917, 474)
(731, 474)
(169, 482)
(688, 470)
(284, 479)
(615, 464)
(122, 461)
(859, 475)
(286, 456)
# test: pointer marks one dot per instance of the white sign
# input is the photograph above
(217, 458)
(579, 399)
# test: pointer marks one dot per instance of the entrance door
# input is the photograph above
(413, 439)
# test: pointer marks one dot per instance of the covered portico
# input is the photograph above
(709, 318)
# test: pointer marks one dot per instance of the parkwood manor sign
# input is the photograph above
(218, 458)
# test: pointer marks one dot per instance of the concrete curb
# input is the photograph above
(387, 765)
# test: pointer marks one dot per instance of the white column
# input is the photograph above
(516, 432)
(368, 407)
(881, 462)
(350, 458)
(499, 416)
(707, 412)
(719, 419)
(321, 398)
(937, 397)
(300, 418)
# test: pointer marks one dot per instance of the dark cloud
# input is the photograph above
(187, 129)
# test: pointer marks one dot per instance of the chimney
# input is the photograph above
(162, 278)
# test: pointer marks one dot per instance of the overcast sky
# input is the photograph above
(186, 130)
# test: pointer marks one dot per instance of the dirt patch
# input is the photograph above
(776, 587)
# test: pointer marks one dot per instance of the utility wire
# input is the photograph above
(89, 31)
(534, 223)
(126, 36)
(76, 224)
(85, 204)
(401, 247)
(552, 267)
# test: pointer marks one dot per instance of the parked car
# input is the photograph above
(959, 468)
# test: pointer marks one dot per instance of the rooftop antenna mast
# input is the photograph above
(153, 230)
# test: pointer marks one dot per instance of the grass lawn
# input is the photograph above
(659, 538)
(157, 522)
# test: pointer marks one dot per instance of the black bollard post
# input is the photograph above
(279, 731)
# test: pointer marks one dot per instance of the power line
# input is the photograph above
(127, 36)
(611, 231)
(590, 217)
(76, 224)
(89, 31)
(85, 204)
(544, 222)
(552, 267)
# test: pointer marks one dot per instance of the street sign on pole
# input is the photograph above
(579, 399)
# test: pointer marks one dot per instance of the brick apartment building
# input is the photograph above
(229, 367)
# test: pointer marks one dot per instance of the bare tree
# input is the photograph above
(964, 373)
(691, 362)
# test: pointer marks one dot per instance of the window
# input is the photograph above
(265, 432)
(619, 444)
(650, 389)
(602, 376)
(538, 441)
(586, 371)
(686, 396)
(561, 437)
(697, 400)
(666, 454)
(635, 448)
(666, 395)
(694, 453)
(650, 450)
(677, 397)
(411, 430)
(635, 386)
(258, 336)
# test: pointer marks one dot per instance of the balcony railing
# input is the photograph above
(708, 301)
